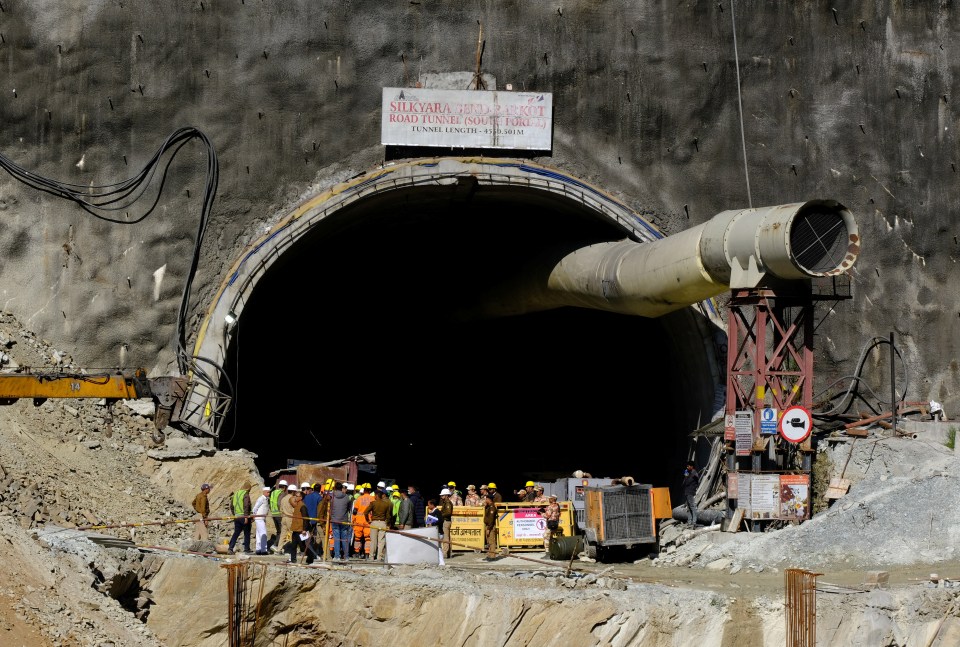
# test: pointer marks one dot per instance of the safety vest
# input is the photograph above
(275, 501)
(238, 502)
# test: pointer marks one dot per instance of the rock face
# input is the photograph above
(852, 103)
(407, 606)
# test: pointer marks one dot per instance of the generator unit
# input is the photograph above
(623, 516)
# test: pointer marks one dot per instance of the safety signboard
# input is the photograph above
(743, 424)
(768, 421)
(796, 424)
(528, 524)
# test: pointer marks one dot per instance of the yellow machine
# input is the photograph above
(167, 393)
(520, 526)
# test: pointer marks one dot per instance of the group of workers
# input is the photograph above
(291, 519)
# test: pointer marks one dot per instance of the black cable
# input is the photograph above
(95, 199)
(856, 380)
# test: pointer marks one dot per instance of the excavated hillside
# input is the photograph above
(150, 585)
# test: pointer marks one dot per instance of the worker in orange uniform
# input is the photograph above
(361, 526)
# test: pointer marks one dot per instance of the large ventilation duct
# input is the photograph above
(734, 249)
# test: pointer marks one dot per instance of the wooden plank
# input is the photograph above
(735, 521)
(838, 487)
(859, 432)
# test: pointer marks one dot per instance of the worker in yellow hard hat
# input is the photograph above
(529, 495)
(492, 489)
(456, 497)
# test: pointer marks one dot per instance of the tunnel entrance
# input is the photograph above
(355, 341)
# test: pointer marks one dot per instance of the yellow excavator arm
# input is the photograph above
(167, 393)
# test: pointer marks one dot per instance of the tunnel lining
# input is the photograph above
(215, 332)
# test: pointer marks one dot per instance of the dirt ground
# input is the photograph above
(59, 469)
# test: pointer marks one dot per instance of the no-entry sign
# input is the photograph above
(796, 424)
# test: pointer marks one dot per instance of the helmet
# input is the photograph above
(528, 484)
(381, 484)
(350, 487)
(396, 493)
(292, 488)
(444, 492)
(366, 485)
(395, 487)
(282, 482)
(452, 484)
(266, 487)
(492, 486)
(305, 485)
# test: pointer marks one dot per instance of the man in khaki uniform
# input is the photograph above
(378, 515)
(286, 523)
(201, 504)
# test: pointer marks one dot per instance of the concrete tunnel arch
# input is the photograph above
(451, 228)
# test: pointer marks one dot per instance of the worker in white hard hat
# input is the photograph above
(378, 515)
(279, 491)
(286, 511)
(311, 499)
(446, 518)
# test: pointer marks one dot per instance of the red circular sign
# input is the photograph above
(796, 423)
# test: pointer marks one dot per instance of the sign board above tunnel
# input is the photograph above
(467, 119)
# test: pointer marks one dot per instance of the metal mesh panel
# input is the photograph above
(819, 240)
(627, 513)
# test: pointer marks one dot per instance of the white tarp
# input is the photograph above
(415, 549)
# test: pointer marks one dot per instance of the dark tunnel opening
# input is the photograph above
(351, 344)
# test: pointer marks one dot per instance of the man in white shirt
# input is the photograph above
(260, 512)
(936, 410)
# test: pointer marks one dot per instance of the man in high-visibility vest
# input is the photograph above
(240, 506)
(279, 491)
